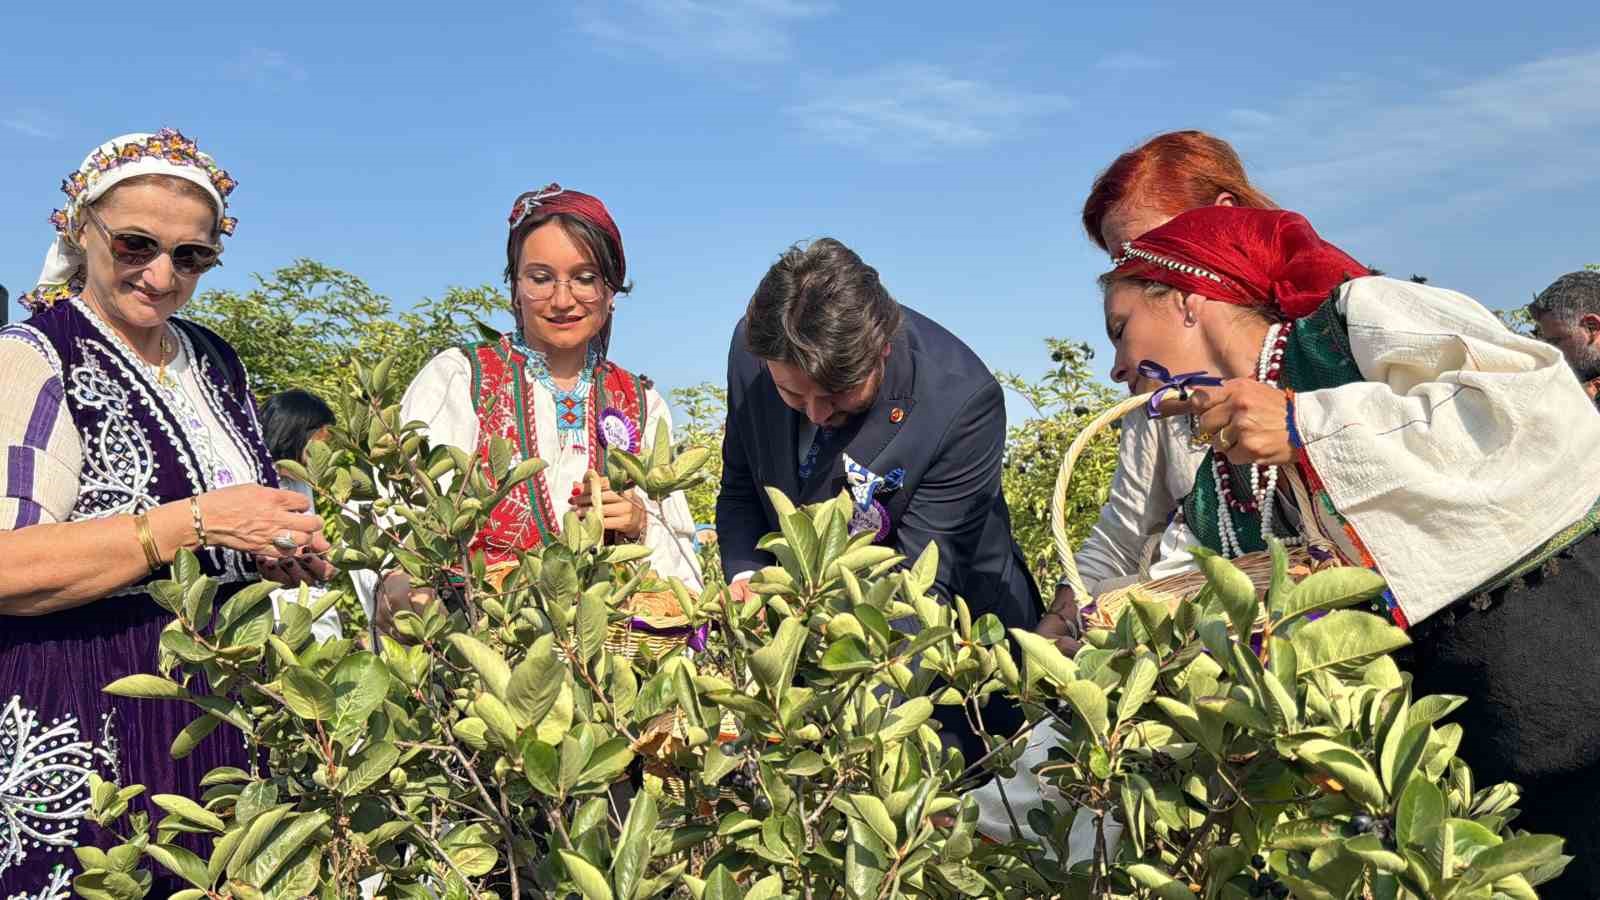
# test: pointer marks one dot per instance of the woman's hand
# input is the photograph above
(394, 596)
(1247, 421)
(622, 513)
(1062, 623)
(252, 519)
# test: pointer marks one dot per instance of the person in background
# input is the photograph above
(833, 384)
(1142, 189)
(129, 434)
(290, 421)
(1566, 315)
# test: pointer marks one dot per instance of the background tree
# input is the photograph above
(305, 324)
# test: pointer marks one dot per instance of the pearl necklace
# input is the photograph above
(1263, 479)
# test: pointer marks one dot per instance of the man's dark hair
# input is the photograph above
(822, 309)
(1571, 296)
(288, 421)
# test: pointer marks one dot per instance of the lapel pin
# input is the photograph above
(897, 415)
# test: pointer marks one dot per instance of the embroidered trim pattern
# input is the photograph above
(169, 145)
(1129, 252)
(44, 783)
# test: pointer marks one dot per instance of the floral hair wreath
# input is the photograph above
(167, 144)
(529, 202)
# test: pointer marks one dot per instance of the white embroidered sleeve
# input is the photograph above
(1465, 447)
(43, 454)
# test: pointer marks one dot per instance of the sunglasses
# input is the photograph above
(131, 248)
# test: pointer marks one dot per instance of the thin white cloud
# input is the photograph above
(1441, 141)
(734, 31)
(265, 66)
(1129, 61)
(31, 123)
(909, 110)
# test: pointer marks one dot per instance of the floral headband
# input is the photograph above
(168, 145)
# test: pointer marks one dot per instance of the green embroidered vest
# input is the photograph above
(1317, 356)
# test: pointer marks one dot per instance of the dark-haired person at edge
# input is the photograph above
(1142, 189)
(833, 384)
(552, 389)
(128, 434)
(290, 420)
(1450, 455)
(1566, 315)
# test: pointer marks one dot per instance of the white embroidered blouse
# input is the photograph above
(441, 397)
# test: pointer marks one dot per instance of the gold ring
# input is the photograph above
(1203, 437)
(1223, 439)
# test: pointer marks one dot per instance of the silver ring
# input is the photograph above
(285, 542)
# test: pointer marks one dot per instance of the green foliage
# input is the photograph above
(1304, 767)
(473, 753)
(1063, 401)
(306, 324)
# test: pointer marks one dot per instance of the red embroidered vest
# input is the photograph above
(503, 399)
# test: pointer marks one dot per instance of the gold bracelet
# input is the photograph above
(199, 521)
(152, 555)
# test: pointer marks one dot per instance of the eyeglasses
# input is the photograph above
(585, 287)
(131, 248)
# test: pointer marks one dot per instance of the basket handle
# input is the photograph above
(1058, 500)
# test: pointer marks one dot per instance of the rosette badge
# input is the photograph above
(618, 431)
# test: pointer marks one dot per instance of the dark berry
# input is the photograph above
(1361, 823)
(1256, 862)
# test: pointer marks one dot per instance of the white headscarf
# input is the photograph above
(167, 152)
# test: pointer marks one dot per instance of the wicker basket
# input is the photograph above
(1102, 611)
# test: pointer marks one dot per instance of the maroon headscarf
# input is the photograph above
(1248, 257)
(553, 199)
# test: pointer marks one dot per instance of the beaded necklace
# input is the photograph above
(572, 406)
(1263, 479)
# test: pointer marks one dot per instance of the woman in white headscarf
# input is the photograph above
(129, 434)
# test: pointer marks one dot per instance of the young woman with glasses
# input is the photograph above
(552, 391)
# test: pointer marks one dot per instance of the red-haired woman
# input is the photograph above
(1142, 189)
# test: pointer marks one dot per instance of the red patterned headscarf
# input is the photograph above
(1248, 257)
(553, 199)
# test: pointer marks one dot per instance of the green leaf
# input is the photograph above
(360, 682)
(591, 881)
(147, 687)
(1138, 687)
(1517, 855)
(1089, 700)
(368, 767)
(1342, 637)
(1234, 589)
(906, 719)
(768, 888)
(988, 630)
(1160, 883)
(536, 681)
(848, 654)
(592, 621)
(180, 862)
(1335, 588)
(774, 664)
(607, 762)
(1043, 658)
(189, 811)
(192, 734)
(632, 859)
(876, 815)
(490, 665)
(1348, 767)
(308, 696)
(284, 844)
(1420, 813)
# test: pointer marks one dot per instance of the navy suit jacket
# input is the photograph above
(949, 434)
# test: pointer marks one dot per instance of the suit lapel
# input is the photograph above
(779, 437)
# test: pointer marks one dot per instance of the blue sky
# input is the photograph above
(950, 144)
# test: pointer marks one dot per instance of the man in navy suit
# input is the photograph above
(832, 384)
